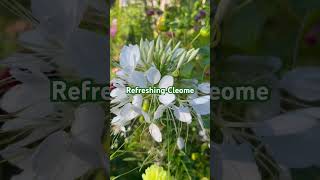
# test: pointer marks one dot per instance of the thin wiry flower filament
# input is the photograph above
(114, 154)
(51, 51)
(13, 157)
(265, 166)
(6, 117)
(267, 159)
(169, 111)
(6, 80)
(17, 9)
(294, 102)
(13, 138)
(237, 124)
(149, 159)
(258, 153)
(244, 134)
(200, 121)
(26, 12)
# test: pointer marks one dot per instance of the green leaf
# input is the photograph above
(186, 71)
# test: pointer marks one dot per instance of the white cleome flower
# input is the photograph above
(285, 129)
(149, 66)
(61, 154)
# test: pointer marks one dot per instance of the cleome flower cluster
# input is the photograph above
(155, 64)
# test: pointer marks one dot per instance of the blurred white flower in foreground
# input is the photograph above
(64, 155)
(53, 140)
(276, 135)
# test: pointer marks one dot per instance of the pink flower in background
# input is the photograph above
(113, 28)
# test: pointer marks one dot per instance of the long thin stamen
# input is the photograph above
(295, 102)
(11, 139)
(26, 12)
(239, 125)
(265, 166)
(246, 135)
(17, 9)
(173, 119)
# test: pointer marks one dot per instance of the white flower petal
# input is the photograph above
(137, 100)
(167, 99)
(38, 134)
(116, 120)
(299, 150)
(119, 95)
(117, 92)
(155, 132)
(153, 75)
(183, 114)
(128, 112)
(86, 152)
(180, 143)
(22, 96)
(89, 123)
(201, 105)
(146, 116)
(49, 153)
(27, 61)
(204, 88)
(137, 79)
(116, 109)
(159, 112)
(118, 83)
(237, 162)
(87, 56)
(192, 96)
(303, 83)
(166, 81)
(23, 156)
(21, 123)
(129, 57)
(61, 20)
(54, 159)
(30, 77)
(38, 110)
(37, 38)
(122, 74)
(290, 123)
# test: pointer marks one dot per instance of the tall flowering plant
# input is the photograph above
(162, 118)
